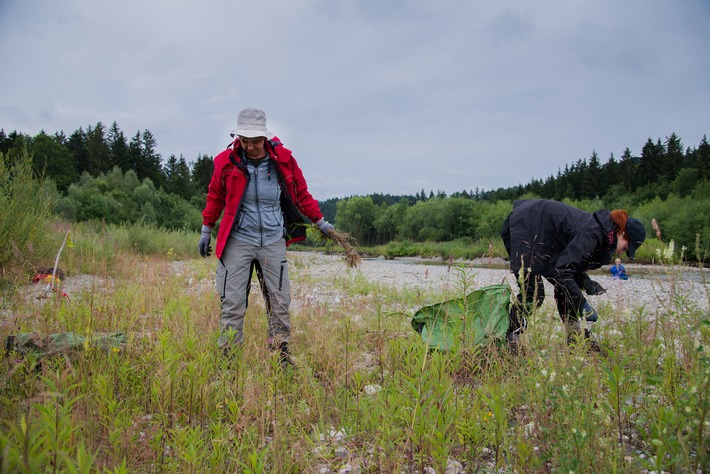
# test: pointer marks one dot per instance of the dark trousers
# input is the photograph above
(532, 295)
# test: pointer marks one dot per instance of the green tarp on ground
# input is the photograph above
(61, 342)
(478, 319)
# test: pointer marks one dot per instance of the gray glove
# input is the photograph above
(203, 246)
(588, 313)
(325, 227)
(591, 287)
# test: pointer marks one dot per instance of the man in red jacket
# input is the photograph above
(259, 191)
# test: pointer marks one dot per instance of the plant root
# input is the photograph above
(343, 239)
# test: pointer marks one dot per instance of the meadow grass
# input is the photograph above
(366, 394)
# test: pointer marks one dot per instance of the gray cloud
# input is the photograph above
(387, 97)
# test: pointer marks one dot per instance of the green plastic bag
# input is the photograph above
(476, 320)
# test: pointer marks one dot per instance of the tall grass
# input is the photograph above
(98, 246)
(366, 393)
(30, 236)
(25, 235)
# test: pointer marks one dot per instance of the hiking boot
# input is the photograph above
(586, 338)
(573, 328)
(284, 355)
(232, 353)
(592, 343)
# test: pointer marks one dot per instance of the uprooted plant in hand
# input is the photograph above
(343, 239)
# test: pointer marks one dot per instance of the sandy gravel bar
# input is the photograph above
(655, 288)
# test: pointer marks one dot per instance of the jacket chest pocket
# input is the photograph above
(233, 177)
(291, 185)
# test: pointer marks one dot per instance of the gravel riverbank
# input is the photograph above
(653, 287)
(658, 289)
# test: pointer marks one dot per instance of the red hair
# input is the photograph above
(619, 217)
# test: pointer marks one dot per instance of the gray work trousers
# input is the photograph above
(234, 275)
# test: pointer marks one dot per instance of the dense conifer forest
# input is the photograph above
(98, 173)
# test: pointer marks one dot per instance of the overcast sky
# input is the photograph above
(389, 96)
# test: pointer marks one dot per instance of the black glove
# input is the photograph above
(588, 313)
(203, 246)
(591, 287)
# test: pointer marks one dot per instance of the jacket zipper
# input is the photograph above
(256, 200)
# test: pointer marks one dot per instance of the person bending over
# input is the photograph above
(558, 242)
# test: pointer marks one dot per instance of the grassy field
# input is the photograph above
(366, 397)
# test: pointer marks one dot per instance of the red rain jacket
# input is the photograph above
(229, 182)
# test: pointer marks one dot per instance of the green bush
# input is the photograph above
(26, 236)
(463, 248)
(685, 220)
(120, 198)
(399, 249)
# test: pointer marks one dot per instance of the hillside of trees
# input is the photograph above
(668, 182)
(98, 174)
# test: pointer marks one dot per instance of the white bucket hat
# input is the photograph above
(251, 123)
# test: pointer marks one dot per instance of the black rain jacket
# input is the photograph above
(559, 242)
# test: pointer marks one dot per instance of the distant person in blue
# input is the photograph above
(618, 271)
